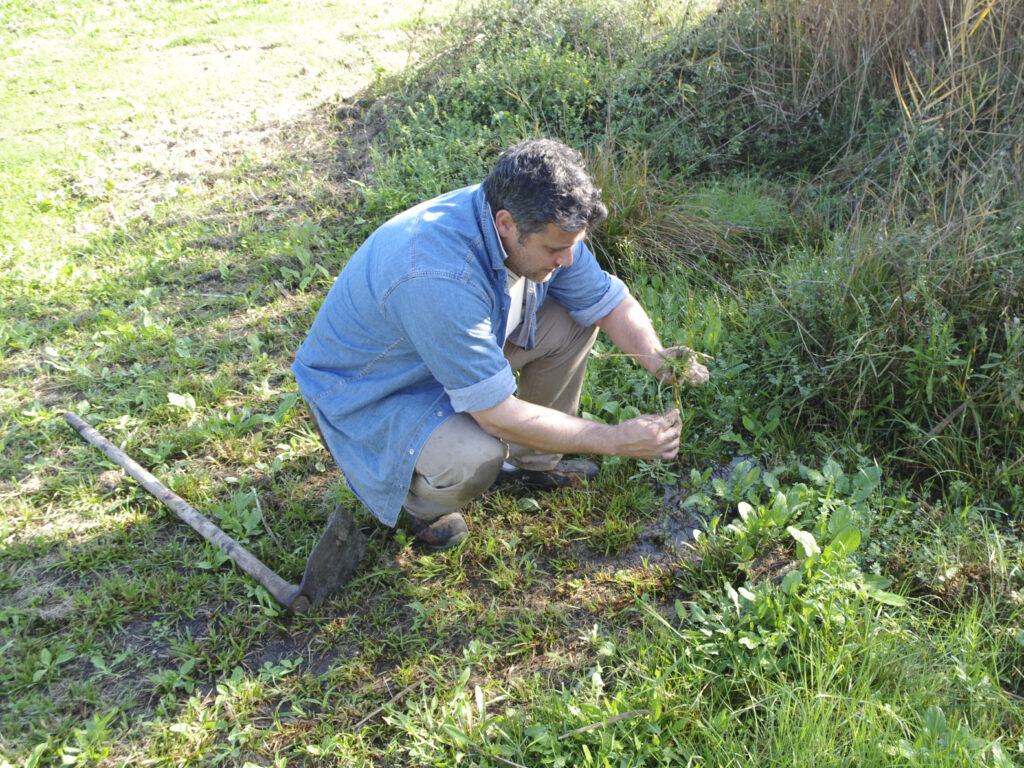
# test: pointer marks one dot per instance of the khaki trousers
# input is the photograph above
(460, 461)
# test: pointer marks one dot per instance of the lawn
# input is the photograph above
(830, 573)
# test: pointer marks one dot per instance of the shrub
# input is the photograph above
(848, 177)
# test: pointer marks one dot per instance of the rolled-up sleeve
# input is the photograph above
(448, 323)
(586, 290)
(616, 292)
(484, 394)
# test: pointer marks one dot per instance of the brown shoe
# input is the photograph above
(568, 473)
(443, 533)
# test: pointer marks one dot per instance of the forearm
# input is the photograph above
(546, 429)
(630, 329)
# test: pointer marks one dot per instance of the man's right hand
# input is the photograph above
(650, 436)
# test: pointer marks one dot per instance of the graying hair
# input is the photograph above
(541, 182)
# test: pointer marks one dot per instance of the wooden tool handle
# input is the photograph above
(288, 595)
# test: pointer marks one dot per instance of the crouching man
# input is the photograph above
(410, 365)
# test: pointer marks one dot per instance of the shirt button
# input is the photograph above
(440, 413)
(411, 451)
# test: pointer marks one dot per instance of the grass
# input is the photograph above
(182, 182)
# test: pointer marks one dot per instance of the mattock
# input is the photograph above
(328, 568)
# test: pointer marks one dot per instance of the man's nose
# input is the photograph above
(565, 258)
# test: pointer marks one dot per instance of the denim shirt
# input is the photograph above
(409, 334)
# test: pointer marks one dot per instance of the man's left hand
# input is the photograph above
(682, 366)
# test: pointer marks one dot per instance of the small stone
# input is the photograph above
(110, 479)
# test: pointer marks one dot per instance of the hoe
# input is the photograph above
(328, 567)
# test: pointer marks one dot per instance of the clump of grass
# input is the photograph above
(903, 324)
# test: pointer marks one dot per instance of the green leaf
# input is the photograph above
(865, 482)
(874, 587)
(744, 510)
(536, 731)
(791, 581)
(876, 582)
(185, 401)
(847, 540)
(629, 412)
(808, 546)
(886, 598)
(813, 475)
(999, 757)
(841, 518)
(287, 403)
(832, 471)
(935, 722)
(733, 595)
(693, 500)
(35, 757)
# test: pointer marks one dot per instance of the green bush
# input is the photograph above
(855, 215)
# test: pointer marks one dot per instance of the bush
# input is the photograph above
(847, 180)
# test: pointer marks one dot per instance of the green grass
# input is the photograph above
(181, 182)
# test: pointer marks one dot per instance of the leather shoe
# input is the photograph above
(443, 533)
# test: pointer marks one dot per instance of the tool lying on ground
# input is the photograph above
(328, 567)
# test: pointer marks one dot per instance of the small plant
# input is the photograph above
(173, 680)
(770, 606)
(47, 663)
(938, 743)
(241, 517)
(91, 744)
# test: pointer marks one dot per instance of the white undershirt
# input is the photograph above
(517, 291)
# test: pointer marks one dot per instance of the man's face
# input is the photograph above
(539, 254)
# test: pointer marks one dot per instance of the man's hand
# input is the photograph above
(630, 330)
(682, 366)
(650, 436)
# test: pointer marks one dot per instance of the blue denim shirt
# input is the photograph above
(409, 334)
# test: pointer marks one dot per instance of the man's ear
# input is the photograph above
(506, 225)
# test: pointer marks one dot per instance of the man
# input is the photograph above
(408, 367)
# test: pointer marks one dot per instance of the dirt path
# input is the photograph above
(134, 120)
(278, 102)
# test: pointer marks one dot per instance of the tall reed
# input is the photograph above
(917, 336)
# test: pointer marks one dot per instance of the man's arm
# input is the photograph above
(546, 429)
(630, 329)
(645, 437)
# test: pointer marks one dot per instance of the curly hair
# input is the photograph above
(541, 182)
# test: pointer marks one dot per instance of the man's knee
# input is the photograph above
(458, 463)
(482, 466)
